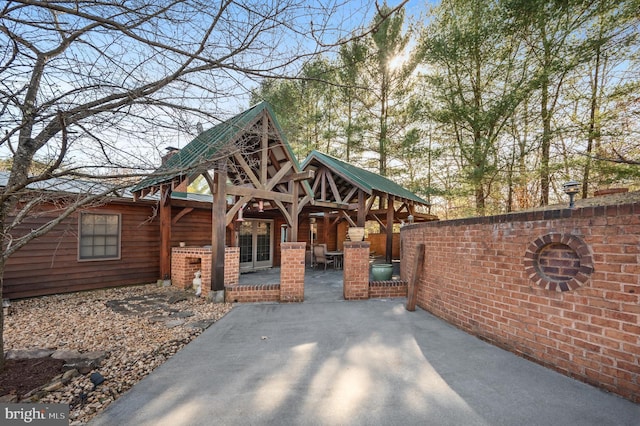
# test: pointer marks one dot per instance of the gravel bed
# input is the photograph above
(136, 341)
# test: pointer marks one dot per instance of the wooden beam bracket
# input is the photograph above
(185, 211)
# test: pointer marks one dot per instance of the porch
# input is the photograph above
(262, 200)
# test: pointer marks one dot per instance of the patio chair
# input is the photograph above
(319, 254)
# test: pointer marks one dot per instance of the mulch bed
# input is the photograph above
(21, 376)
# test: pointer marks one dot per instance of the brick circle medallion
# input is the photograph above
(558, 262)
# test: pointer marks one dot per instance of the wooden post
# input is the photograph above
(412, 290)
(293, 190)
(325, 229)
(218, 226)
(390, 218)
(165, 232)
(362, 208)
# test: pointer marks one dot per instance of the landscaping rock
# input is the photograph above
(8, 398)
(53, 386)
(174, 323)
(113, 319)
(175, 298)
(202, 324)
(157, 319)
(185, 314)
(66, 355)
(70, 374)
(83, 366)
(28, 353)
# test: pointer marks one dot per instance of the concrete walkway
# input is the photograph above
(331, 362)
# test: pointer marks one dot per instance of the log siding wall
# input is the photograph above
(50, 264)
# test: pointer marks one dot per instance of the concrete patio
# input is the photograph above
(331, 362)
(321, 285)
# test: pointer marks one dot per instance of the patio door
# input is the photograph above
(256, 244)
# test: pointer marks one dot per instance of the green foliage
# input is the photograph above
(487, 106)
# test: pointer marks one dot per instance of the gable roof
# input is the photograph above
(364, 179)
(197, 155)
(70, 185)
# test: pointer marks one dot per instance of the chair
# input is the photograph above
(319, 255)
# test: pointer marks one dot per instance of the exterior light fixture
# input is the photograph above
(240, 218)
(571, 188)
(410, 218)
(260, 206)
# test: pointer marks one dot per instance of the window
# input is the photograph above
(99, 236)
(558, 262)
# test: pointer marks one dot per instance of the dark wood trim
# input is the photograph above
(362, 209)
(293, 188)
(258, 193)
(185, 211)
(390, 215)
(383, 226)
(347, 218)
(277, 178)
(218, 234)
(165, 232)
(331, 205)
(245, 167)
(231, 213)
(264, 148)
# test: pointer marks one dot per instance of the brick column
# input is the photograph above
(356, 270)
(231, 265)
(292, 272)
(206, 274)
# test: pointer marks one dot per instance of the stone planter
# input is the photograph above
(356, 233)
(381, 272)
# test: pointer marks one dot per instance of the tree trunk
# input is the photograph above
(349, 129)
(2, 263)
(546, 144)
(592, 126)
(545, 116)
(382, 143)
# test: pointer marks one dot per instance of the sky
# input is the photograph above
(361, 12)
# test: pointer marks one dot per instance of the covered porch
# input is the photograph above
(263, 200)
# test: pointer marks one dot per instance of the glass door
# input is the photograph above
(256, 244)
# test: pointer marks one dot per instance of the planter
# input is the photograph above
(381, 272)
(356, 233)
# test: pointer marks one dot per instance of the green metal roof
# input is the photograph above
(194, 156)
(366, 180)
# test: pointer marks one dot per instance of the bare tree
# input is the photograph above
(90, 89)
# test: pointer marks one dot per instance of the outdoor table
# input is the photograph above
(337, 258)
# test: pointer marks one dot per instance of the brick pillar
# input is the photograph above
(231, 265)
(292, 272)
(356, 270)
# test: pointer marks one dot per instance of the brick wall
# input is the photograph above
(356, 270)
(387, 289)
(231, 265)
(185, 261)
(561, 287)
(252, 293)
(292, 272)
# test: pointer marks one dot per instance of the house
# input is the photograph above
(109, 244)
(255, 180)
(261, 197)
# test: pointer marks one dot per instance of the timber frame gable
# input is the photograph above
(248, 164)
(250, 167)
(346, 192)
